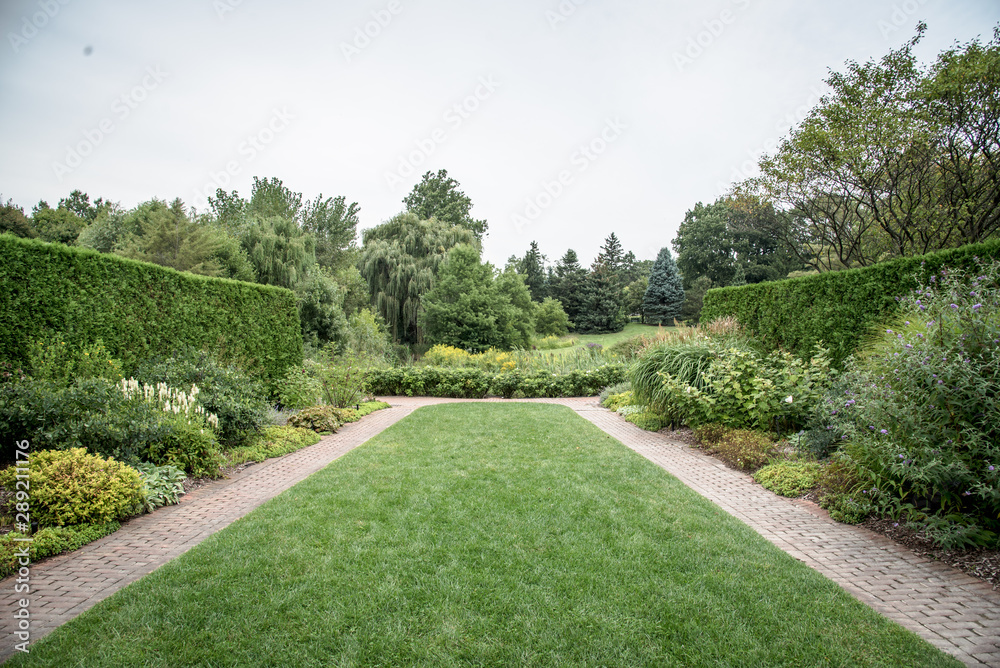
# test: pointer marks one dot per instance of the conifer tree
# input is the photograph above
(665, 295)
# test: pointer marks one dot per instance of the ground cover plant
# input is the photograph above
(513, 534)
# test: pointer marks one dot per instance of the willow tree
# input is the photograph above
(400, 260)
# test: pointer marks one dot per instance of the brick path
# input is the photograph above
(955, 612)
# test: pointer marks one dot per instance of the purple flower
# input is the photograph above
(884, 431)
(940, 382)
(991, 468)
(888, 331)
(954, 305)
(902, 456)
(966, 493)
(976, 307)
(872, 427)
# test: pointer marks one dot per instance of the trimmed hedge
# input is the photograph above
(839, 308)
(471, 383)
(139, 310)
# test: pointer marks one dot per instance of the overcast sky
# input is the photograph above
(563, 121)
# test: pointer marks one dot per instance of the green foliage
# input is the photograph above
(471, 383)
(744, 449)
(90, 413)
(532, 268)
(233, 395)
(683, 361)
(320, 419)
(166, 236)
(791, 478)
(59, 225)
(550, 319)
(468, 309)
(664, 296)
(647, 420)
(51, 360)
(920, 416)
(400, 260)
(437, 196)
(442, 355)
(611, 390)
(139, 310)
(709, 434)
(73, 487)
(13, 221)
(272, 442)
(162, 485)
(694, 299)
(839, 308)
(188, 446)
(617, 400)
(300, 388)
(553, 343)
(568, 284)
(49, 542)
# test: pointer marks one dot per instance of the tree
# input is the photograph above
(897, 160)
(79, 203)
(694, 298)
(613, 259)
(399, 260)
(165, 236)
(437, 196)
(333, 223)
(467, 308)
(532, 267)
(665, 295)
(13, 221)
(634, 293)
(569, 285)
(551, 319)
(602, 310)
(56, 225)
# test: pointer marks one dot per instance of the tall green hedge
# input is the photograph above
(838, 308)
(139, 310)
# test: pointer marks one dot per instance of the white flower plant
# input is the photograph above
(169, 400)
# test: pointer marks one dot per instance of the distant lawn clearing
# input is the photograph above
(605, 340)
(485, 534)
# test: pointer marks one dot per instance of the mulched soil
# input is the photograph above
(979, 563)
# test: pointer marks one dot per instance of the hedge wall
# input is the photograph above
(139, 310)
(840, 308)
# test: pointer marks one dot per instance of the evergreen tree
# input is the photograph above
(603, 309)
(664, 297)
(569, 285)
(532, 267)
(167, 237)
(13, 220)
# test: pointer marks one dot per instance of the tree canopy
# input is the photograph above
(437, 196)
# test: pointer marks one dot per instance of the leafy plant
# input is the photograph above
(272, 442)
(48, 542)
(300, 388)
(73, 487)
(744, 449)
(163, 485)
(320, 419)
(788, 478)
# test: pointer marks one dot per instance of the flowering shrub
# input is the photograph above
(449, 356)
(920, 420)
(495, 360)
(471, 383)
(741, 388)
(170, 400)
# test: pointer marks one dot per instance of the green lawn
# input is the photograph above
(485, 535)
(631, 329)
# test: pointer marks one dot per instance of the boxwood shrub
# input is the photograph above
(469, 383)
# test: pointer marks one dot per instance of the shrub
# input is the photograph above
(49, 542)
(300, 388)
(788, 478)
(839, 308)
(920, 418)
(50, 359)
(448, 356)
(647, 420)
(554, 343)
(709, 434)
(73, 487)
(744, 449)
(475, 383)
(273, 442)
(684, 361)
(550, 318)
(616, 401)
(320, 419)
(495, 360)
(841, 491)
(90, 413)
(617, 388)
(239, 401)
(162, 485)
(188, 446)
(139, 310)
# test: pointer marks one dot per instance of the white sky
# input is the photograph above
(165, 100)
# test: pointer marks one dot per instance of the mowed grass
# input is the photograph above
(605, 340)
(485, 535)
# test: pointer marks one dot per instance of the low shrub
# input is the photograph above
(709, 434)
(319, 419)
(616, 401)
(188, 446)
(788, 478)
(745, 449)
(272, 442)
(49, 542)
(617, 388)
(300, 388)
(52, 360)
(645, 419)
(841, 491)
(73, 487)
(554, 343)
(162, 485)
(447, 356)
(239, 400)
(470, 383)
